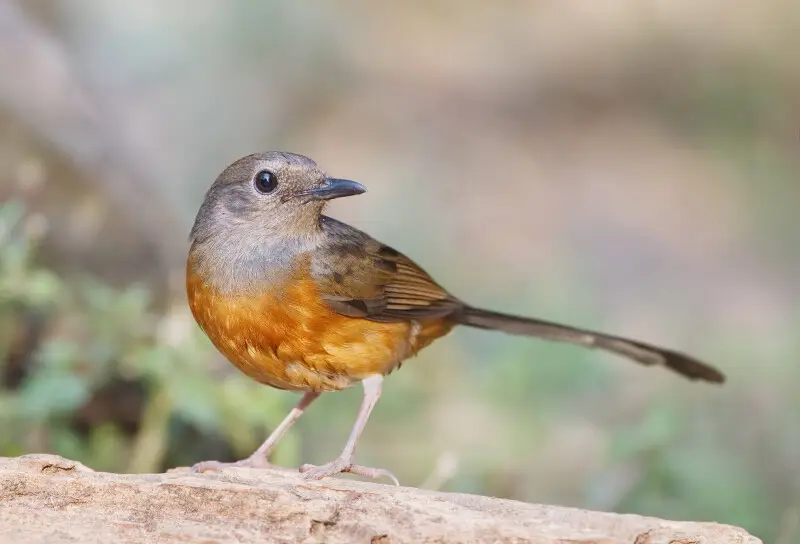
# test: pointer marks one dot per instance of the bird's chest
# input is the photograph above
(290, 339)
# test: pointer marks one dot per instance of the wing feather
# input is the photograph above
(361, 277)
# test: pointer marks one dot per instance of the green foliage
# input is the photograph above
(100, 351)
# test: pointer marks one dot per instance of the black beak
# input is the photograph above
(335, 188)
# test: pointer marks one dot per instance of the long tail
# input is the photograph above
(640, 352)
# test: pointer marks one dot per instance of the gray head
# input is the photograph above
(272, 194)
(263, 207)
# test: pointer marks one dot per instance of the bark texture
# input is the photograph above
(49, 499)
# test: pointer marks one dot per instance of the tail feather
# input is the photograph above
(640, 352)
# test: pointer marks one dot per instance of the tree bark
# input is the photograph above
(49, 499)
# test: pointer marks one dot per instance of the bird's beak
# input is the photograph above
(334, 188)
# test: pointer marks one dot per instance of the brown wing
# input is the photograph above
(361, 277)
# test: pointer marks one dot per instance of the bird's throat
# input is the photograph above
(238, 263)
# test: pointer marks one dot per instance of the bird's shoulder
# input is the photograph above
(362, 277)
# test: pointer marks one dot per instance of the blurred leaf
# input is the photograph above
(149, 447)
(51, 392)
(11, 214)
(659, 429)
(107, 449)
(196, 399)
(58, 354)
(68, 444)
(249, 410)
(42, 287)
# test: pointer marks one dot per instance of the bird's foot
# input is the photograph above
(340, 465)
(250, 462)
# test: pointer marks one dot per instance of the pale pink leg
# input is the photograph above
(260, 457)
(344, 463)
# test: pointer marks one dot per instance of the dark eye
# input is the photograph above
(265, 181)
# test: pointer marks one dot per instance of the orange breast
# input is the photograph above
(289, 338)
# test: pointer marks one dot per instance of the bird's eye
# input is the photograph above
(265, 181)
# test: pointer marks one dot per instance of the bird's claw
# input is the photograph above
(338, 466)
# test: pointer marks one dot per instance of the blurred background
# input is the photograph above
(629, 165)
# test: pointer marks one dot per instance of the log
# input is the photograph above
(49, 499)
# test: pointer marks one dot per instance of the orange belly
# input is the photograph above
(289, 338)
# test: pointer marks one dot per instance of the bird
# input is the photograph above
(302, 302)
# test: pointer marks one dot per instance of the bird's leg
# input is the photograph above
(259, 458)
(344, 463)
